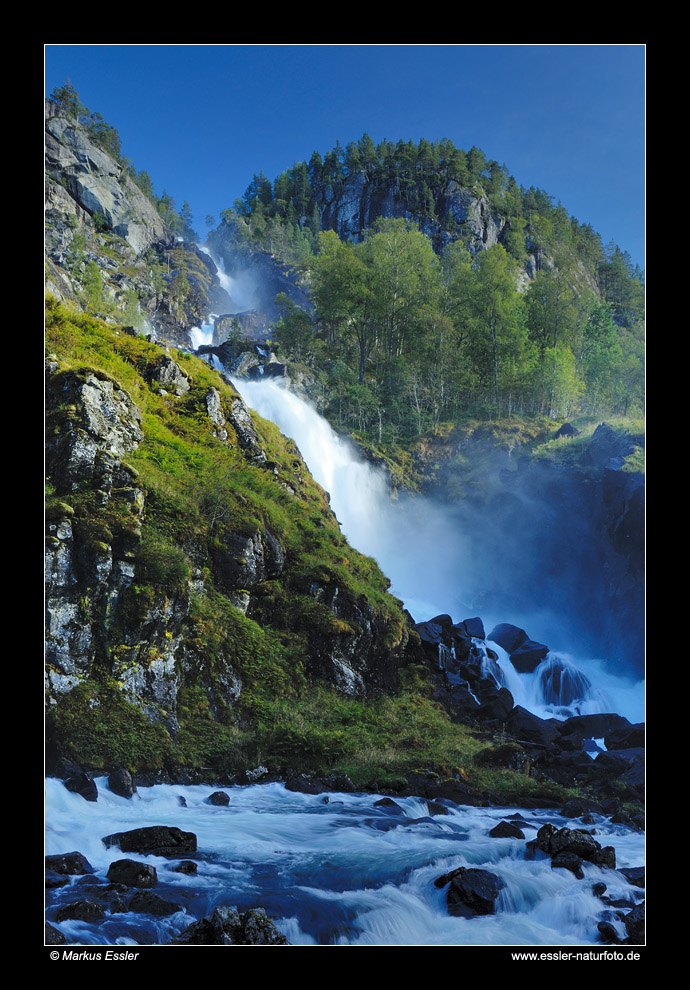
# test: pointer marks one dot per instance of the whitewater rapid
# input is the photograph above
(338, 870)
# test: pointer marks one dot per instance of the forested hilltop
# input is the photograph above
(442, 289)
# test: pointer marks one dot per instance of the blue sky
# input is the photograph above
(201, 119)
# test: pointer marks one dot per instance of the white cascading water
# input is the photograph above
(345, 872)
(420, 549)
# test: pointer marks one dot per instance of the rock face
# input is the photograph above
(121, 627)
(353, 206)
(97, 184)
(101, 226)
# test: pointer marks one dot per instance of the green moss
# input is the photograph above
(101, 729)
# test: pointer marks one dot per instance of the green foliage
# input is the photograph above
(101, 729)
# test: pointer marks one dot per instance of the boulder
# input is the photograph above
(146, 902)
(227, 926)
(475, 628)
(219, 798)
(131, 873)
(626, 737)
(635, 875)
(528, 656)
(568, 861)
(471, 892)
(84, 785)
(53, 936)
(523, 725)
(120, 782)
(635, 925)
(80, 911)
(154, 840)
(508, 636)
(69, 864)
(186, 866)
(506, 830)
(593, 726)
(574, 842)
(567, 430)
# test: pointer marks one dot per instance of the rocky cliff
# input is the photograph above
(107, 248)
(189, 555)
(353, 206)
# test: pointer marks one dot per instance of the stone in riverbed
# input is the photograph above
(471, 892)
(226, 926)
(120, 782)
(53, 936)
(506, 830)
(154, 840)
(130, 873)
(69, 864)
(219, 798)
(82, 784)
(81, 911)
(146, 902)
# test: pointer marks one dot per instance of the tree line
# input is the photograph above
(404, 338)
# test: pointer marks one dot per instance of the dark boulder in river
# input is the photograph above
(69, 864)
(227, 926)
(471, 892)
(132, 874)
(120, 782)
(82, 784)
(156, 840)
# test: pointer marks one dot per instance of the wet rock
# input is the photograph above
(80, 911)
(146, 902)
(577, 842)
(186, 866)
(471, 892)
(635, 875)
(506, 830)
(154, 840)
(635, 925)
(130, 873)
(84, 785)
(55, 880)
(474, 627)
(508, 636)
(218, 798)
(528, 656)
(120, 782)
(227, 926)
(390, 806)
(568, 861)
(626, 737)
(69, 864)
(53, 936)
(578, 807)
(523, 725)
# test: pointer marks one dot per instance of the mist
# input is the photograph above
(520, 557)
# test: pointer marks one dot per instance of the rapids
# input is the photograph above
(340, 871)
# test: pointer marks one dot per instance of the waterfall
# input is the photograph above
(420, 546)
